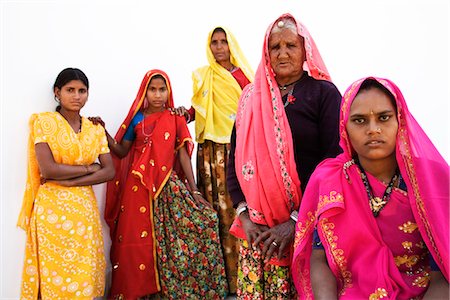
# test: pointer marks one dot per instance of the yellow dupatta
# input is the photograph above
(216, 93)
(33, 180)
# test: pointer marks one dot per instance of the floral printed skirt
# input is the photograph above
(212, 161)
(260, 281)
(190, 259)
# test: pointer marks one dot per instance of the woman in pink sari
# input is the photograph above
(380, 209)
(287, 122)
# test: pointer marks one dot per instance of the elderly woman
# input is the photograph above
(287, 122)
(391, 185)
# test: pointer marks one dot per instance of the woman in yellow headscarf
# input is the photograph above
(217, 88)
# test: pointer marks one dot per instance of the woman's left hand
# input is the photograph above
(199, 198)
(276, 239)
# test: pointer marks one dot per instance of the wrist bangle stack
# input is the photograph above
(241, 208)
(294, 215)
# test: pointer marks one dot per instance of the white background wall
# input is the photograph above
(116, 42)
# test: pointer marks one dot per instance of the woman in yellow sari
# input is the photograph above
(216, 91)
(64, 256)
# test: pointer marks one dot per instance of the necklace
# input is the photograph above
(284, 87)
(146, 136)
(377, 203)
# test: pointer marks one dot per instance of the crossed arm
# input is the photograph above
(72, 175)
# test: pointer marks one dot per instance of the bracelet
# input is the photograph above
(294, 215)
(86, 167)
(242, 206)
(197, 193)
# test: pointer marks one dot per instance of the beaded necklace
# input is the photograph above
(377, 203)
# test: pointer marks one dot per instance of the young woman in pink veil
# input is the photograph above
(377, 215)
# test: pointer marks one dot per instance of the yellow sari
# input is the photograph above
(216, 94)
(64, 255)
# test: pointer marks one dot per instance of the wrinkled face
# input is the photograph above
(73, 95)
(157, 95)
(287, 54)
(219, 47)
(372, 126)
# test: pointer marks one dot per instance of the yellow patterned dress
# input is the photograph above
(64, 256)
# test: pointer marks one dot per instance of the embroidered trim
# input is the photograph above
(378, 294)
(404, 145)
(248, 170)
(325, 200)
(279, 140)
(302, 230)
(338, 255)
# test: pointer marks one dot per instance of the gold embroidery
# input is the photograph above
(166, 136)
(408, 227)
(409, 261)
(324, 200)
(338, 254)
(302, 230)
(379, 294)
(407, 245)
(422, 281)
(142, 167)
(134, 188)
(404, 144)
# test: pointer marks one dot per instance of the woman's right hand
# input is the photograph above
(97, 120)
(180, 111)
(92, 168)
(251, 229)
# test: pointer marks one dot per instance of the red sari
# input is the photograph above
(144, 235)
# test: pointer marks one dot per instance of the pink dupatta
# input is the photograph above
(332, 202)
(265, 164)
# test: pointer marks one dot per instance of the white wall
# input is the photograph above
(116, 42)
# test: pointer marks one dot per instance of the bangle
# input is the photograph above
(197, 193)
(242, 206)
(294, 215)
(86, 167)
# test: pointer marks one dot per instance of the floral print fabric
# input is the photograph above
(262, 281)
(190, 259)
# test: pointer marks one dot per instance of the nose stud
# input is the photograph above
(378, 130)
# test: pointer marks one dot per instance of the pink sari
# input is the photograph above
(265, 164)
(384, 257)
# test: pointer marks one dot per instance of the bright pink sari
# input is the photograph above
(364, 253)
(265, 164)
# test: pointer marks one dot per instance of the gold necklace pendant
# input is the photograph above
(376, 204)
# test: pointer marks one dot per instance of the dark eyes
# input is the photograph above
(72, 90)
(382, 118)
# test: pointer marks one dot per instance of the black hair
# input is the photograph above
(67, 75)
(218, 29)
(371, 83)
(158, 76)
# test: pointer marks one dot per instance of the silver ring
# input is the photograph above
(275, 244)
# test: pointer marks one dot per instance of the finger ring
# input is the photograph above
(275, 244)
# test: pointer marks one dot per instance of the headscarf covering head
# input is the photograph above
(216, 93)
(122, 165)
(334, 195)
(264, 156)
